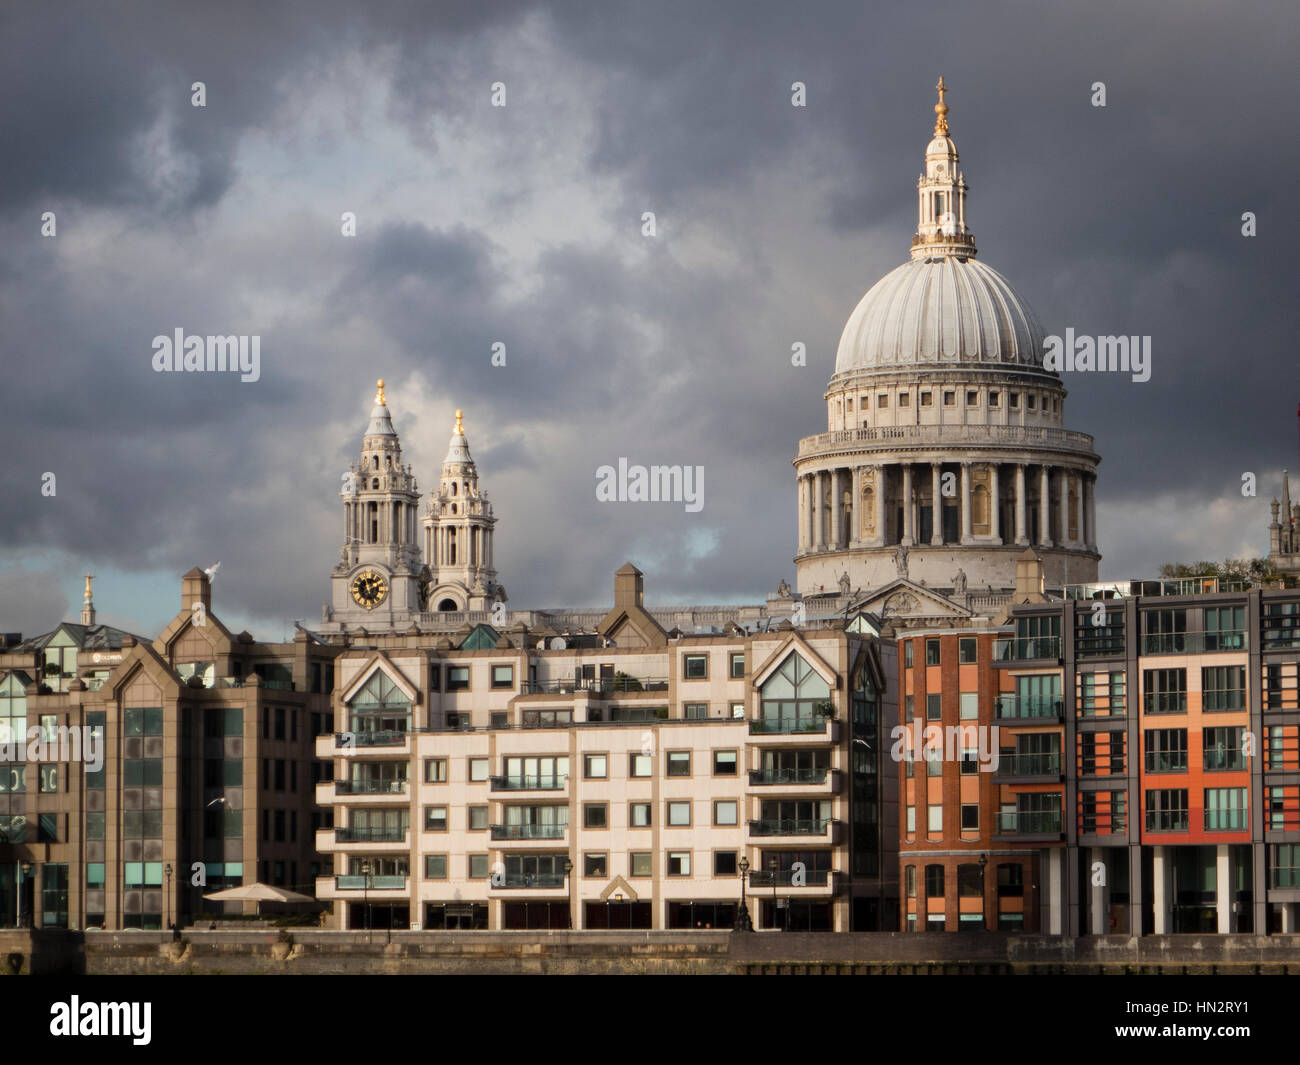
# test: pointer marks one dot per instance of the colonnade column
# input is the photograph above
(1091, 511)
(965, 503)
(936, 504)
(882, 483)
(995, 502)
(907, 505)
(855, 522)
(1021, 516)
(1044, 508)
(1064, 479)
(836, 508)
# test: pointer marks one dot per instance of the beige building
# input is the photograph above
(621, 778)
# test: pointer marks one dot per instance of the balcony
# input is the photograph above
(388, 743)
(528, 832)
(527, 782)
(1027, 649)
(816, 727)
(780, 826)
(1029, 766)
(815, 882)
(526, 881)
(1177, 643)
(1030, 824)
(771, 777)
(360, 882)
(349, 834)
(370, 787)
(1029, 708)
(594, 685)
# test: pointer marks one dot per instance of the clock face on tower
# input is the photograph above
(369, 589)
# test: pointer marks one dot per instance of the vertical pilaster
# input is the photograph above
(907, 539)
(936, 504)
(995, 501)
(965, 504)
(1044, 508)
(1021, 516)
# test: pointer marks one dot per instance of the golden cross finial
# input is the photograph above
(89, 577)
(941, 111)
(379, 396)
(460, 429)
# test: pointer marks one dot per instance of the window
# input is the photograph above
(904, 399)
(724, 863)
(679, 814)
(1166, 810)
(49, 778)
(457, 678)
(970, 706)
(478, 770)
(679, 863)
(435, 819)
(911, 820)
(1030, 400)
(478, 867)
(639, 863)
(1011, 881)
(1165, 691)
(970, 881)
(503, 676)
(927, 399)
(595, 815)
(724, 763)
(638, 814)
(595, 767)
(932, 652)
(882, 400)
(737, 711)
(695, 711)
(909, 876)
(909, 707)
(1225, 809)
(949, 399)
(478, 818)
(934, 881)
(994, 400)
(435, 678)
(695, 667)
(679, 763)
(595, 864)
(966, 649)
(1166, 750)
(726, 812)
(1013, 400)
(933, 708)
(970, 762)
(638, 765)
(907, 654)
(435, 867)
(972, 398)
(737, 664)
(435, 771)
(1222, 748)
(499, 719)
(1223, 688)
(970, 815)
(934, 818)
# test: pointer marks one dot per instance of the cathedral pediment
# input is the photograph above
(902, 598)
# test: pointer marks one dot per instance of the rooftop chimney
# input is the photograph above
(629, 587)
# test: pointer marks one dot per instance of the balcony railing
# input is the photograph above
(359, 882)
(370, 787)
(788, 726)
(1014, 649)
(1029, 823)
(1166, 821)
(1165, 702)
(1045, 764)
(1172, 643)
(761, 878)
(1101, 825)
(530, 880)
(383, 738)
(788, 776)
(529, 831)
(800, 826)
(1284, 876)
(526, 782)
(597, 685)
(1025, 707)
(889, 436)
(382, 834)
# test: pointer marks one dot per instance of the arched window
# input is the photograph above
(379, 711)
(448, 605)
(979, 505)
(374, 482)
(795, 699)
(453, 487)
(375, 460)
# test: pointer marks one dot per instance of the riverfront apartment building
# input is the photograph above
(624, 778)
(206, 775)
(1147, 781)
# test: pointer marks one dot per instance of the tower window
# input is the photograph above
(375, 460)
(453, 508)
(927, 399)
(972, 398)
(850, 407)
(994, 399)
(904, 399)
(882, 400)
(1030, 402)
(453, 487)
(1013, 400)
(374, 483)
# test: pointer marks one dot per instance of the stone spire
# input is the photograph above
(1288, 527)
(941, 195)
(88, 603)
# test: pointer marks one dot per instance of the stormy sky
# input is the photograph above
(522, 225)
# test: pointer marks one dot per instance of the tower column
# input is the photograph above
(936, 504)
(1021, 538)
(1063, 479)
(836, 508)
(810, 510)
(907, 539)
(800, 525)
(855, 522)
(966, 534)
(882, 486)
(995, 502)
(1044, 508)
(1090, 512)
(819, 520)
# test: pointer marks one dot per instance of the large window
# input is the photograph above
(1225, 809)
(379, 711)
(795, 698)
(934, 881)
(1166, 750)
(1166, 810)
(1164, 691)
(1223, 748)
(1223, 688)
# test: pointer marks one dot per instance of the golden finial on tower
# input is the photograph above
(941, 111)
(460, 429)
(379, 396)
(89, 577)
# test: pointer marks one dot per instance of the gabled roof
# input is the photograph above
(86, 637)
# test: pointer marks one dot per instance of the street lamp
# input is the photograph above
(25, 920)
(167, 899)
(774, 866)
(365, 893)
(984, 918)
(568, 887)
(742, 910)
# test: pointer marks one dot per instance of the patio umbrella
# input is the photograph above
(258, 893)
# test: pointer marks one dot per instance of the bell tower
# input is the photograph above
(376, 584)
(458, 531)
(941, 195)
